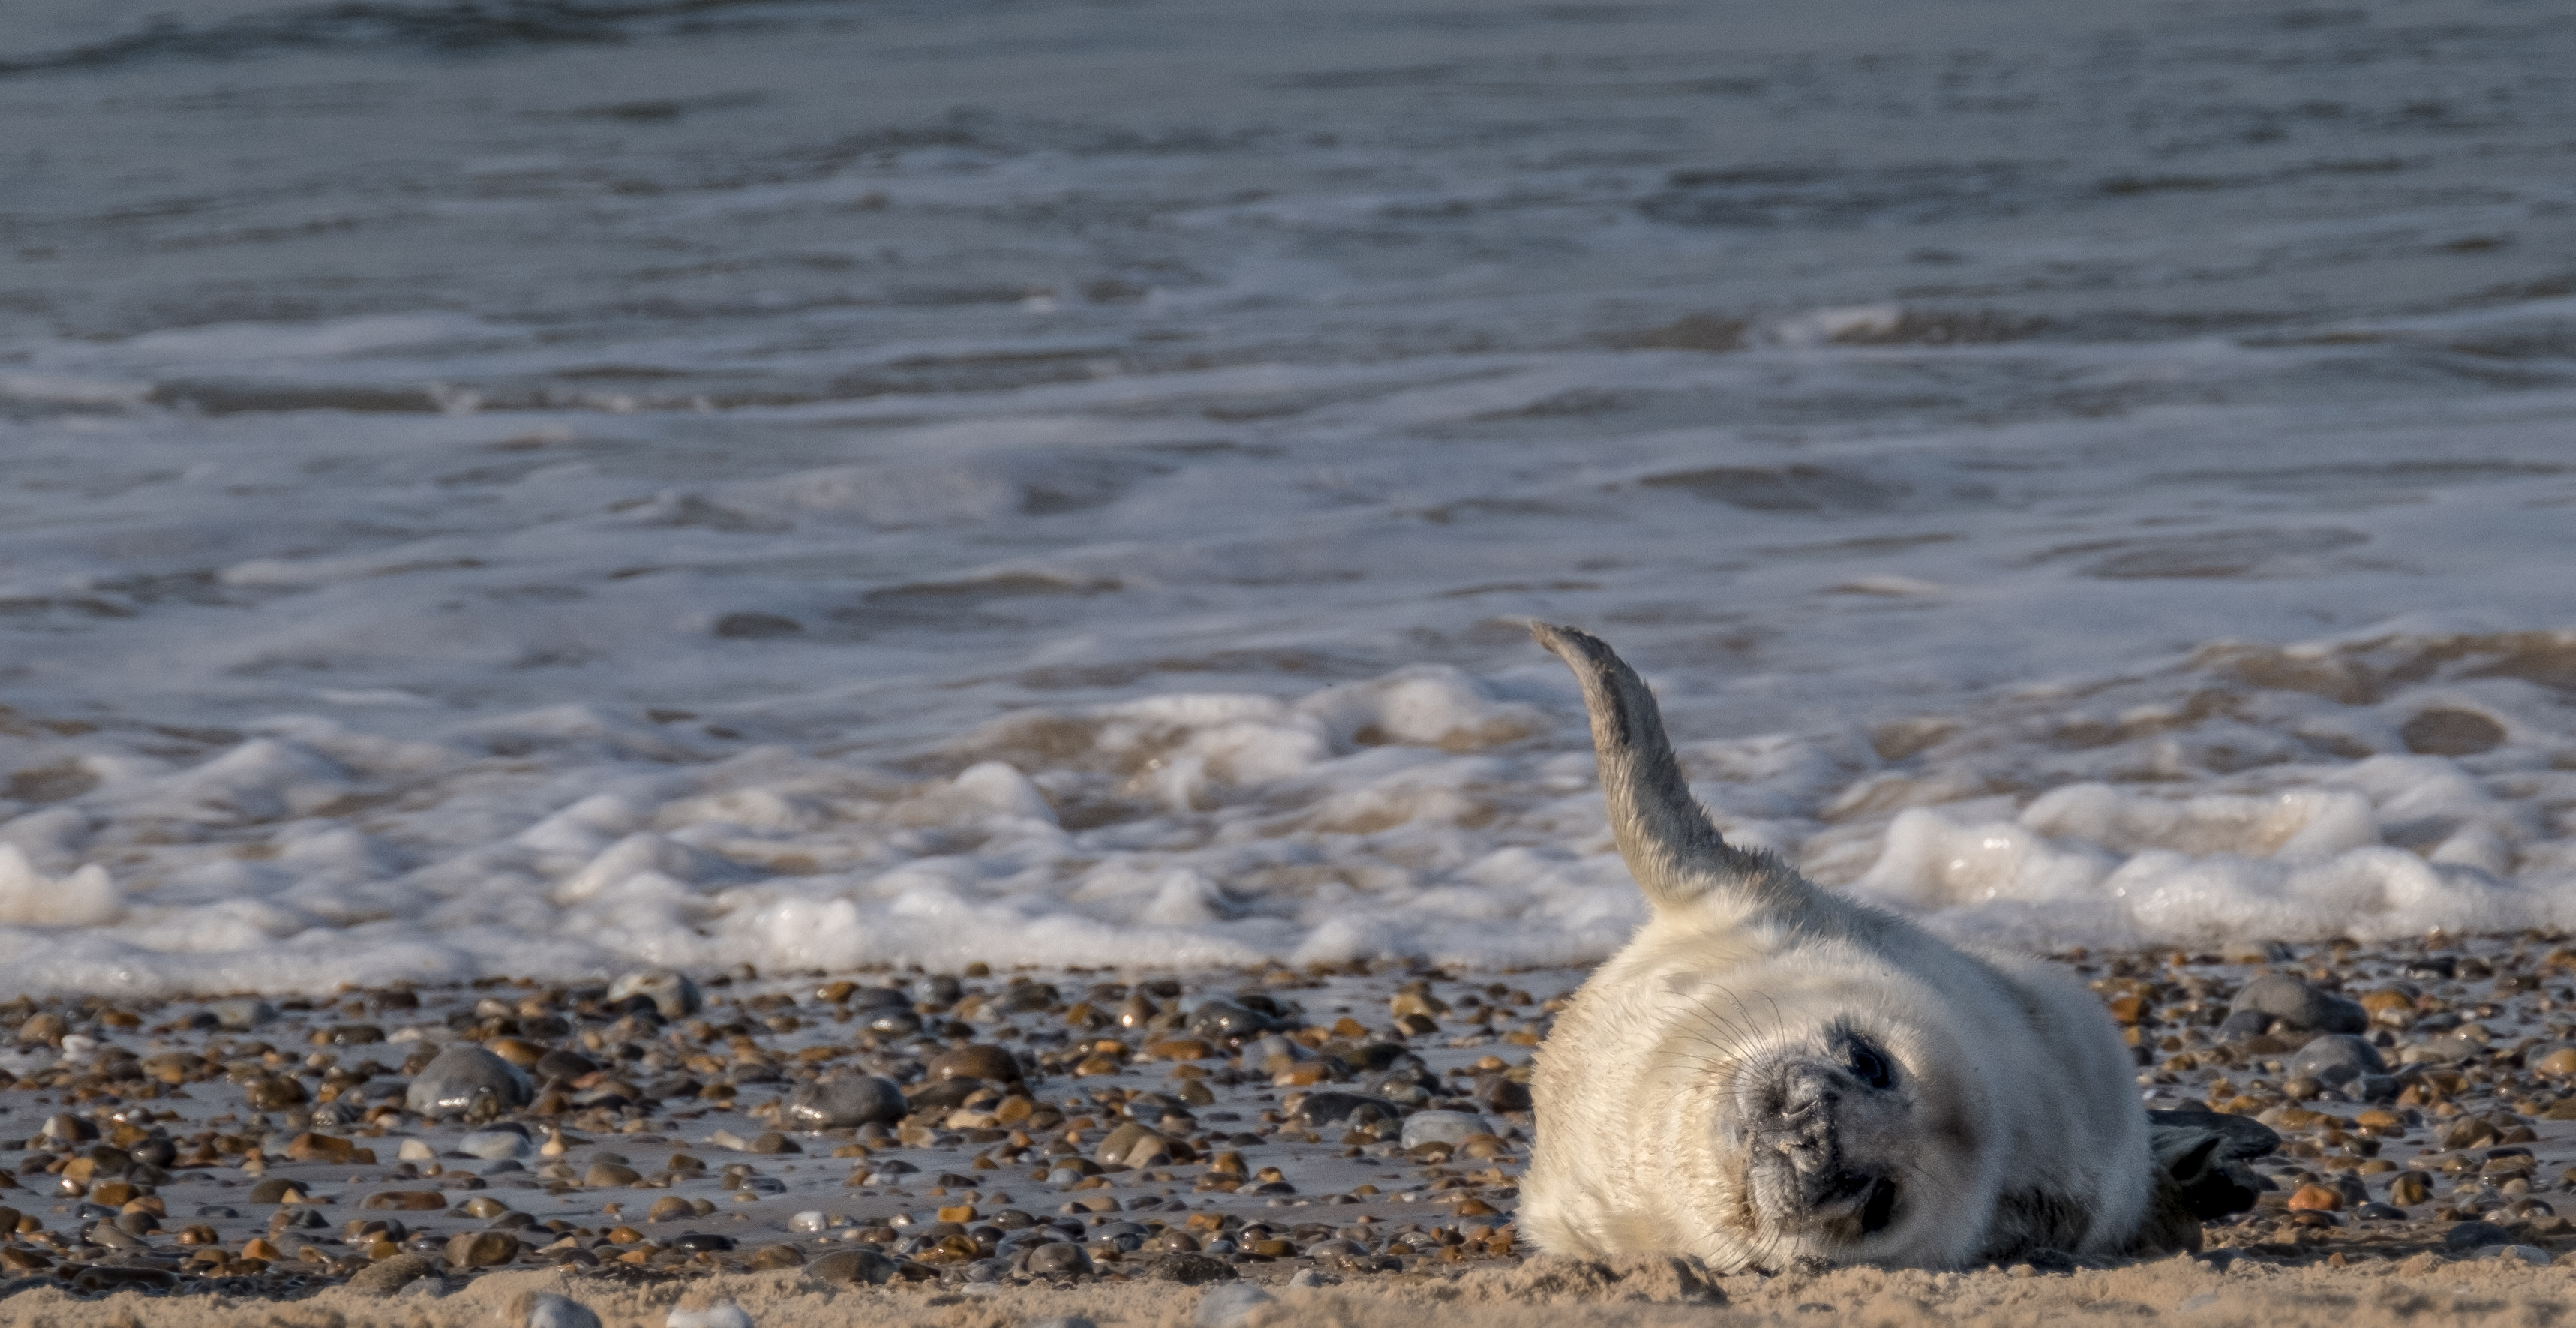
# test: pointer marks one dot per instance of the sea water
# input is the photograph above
(542, 487)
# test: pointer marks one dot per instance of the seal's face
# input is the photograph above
(1828, 1133)
(1837, 1116)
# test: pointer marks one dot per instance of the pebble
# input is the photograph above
(482, 1249)
(1224, 1021)
(539, 1310)
(1227, 1306)
(1442, 1127)
(2476, 1235)
(387, 1276)
(450, 1082)
(977, 1060)
(864, 1267)
(1332, 1107)
(495, 1145)
(673, 996)
(2299, 1005)
(1191, 1269)
(240, 1016)
(722, 1314)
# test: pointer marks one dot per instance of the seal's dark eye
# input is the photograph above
(1871, 1067)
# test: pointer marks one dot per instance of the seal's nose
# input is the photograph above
(1805, 1134)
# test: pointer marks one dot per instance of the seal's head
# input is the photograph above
(1804, 1103)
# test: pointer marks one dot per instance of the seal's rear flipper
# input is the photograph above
(2201, 1174)
(1670, 846)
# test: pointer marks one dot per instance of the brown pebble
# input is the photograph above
(409, 1201)
(978, 1060)
(482, 1249)
(2315, 1198)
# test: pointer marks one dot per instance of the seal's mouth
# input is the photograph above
(1853, 1205)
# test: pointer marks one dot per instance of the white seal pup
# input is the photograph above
(1769, 1075)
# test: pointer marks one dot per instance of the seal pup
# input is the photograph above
(1769, 1075)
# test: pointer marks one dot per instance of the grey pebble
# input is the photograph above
(544, 1311)
(494, 1145)
(1442, 1127)
(844, 1103)
(2299, 1005)
(1230, 1304)
(673, 995)
(449, 1084)
(239, 1015)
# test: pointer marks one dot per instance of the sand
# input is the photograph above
(1556, 1293)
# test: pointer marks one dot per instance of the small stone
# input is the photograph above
(539, 1310)
(2285, 998)
(1191, 1269)
(450, 1083)
(406, 1201)
(808, 1222)
(669, 1209)
(517, 1051)
(844, 1104)
(495, 1145)
(673, 995)
(857, 1267)
(772, 1257)
(975, 1061)
(482, 1249)
(1058, 1257)
(384, 1277)
(274, 1093)
(1445, 1127)
(276, 1190)
(564, 1065)
(2336, 1059)
(722, 1314)
(2475, 1236)
(242, 1015)
(2315, 1198)
(1225, 1022)
(609, 1175)
(1321, 1110)
(1229, 1305)
(2557, 1064)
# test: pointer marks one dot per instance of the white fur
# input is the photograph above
(2013, 1105)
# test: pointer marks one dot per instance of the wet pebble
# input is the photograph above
(455, 1077)
(673, 995)
(975, 1061)
(846, 1102)
(495, 1145)
(864, 1267)
(2278, 996)
(1445, 1127)
(538, 1310)
(722, 1314)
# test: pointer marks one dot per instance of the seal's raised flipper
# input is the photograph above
(1670, 846)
